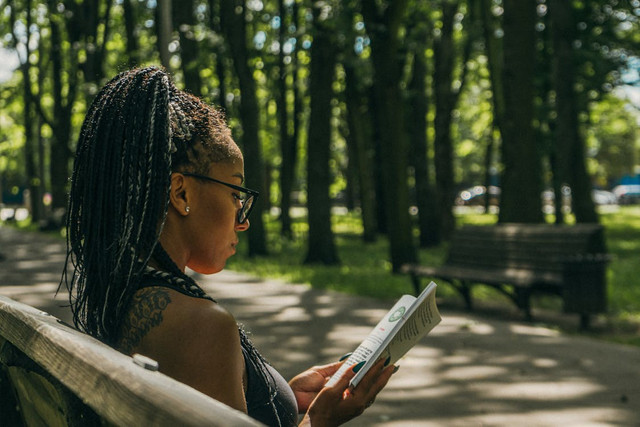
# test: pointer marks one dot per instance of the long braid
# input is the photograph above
(119, 191)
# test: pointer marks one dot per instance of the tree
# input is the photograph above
(185, 20)
(321, 247)
(427, 204)
(571, 155)
(383, 21)
(521, 178)
(233, 24)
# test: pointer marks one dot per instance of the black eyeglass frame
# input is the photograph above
(253, 194)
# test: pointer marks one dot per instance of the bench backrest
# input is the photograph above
(540, 247)
(59, 376)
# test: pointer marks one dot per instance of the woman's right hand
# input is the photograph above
(338, 404)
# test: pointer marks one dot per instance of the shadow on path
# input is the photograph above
(471, 370)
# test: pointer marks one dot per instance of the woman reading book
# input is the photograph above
(157, 187)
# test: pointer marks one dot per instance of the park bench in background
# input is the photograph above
(51, 374)
(520, 259)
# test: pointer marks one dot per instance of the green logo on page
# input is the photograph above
(397, 314)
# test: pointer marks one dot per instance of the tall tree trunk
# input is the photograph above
(383, 28)
(321, 248)
(287, 144)
(444, 52)
(571, 155)
(232, 14)
(360, 141)
(428, 214)
(219, 50)
(185, 20)
(132, 47)
(521, 178)
(164, 29)
(63, 99)
(31, 170)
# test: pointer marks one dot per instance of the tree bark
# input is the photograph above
(234, 27)
(360, 139)
(130, 22)
(443, 52)
(164, 29)
(288, 146)
(569, 143)
(321, 247)
(521, 178)
(185, 21)
(383, 28)
(428, 212)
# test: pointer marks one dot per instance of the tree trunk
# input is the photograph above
(321, 248)
(288, 146)
(571, 155)
(359, 138)
(521, 178)
(383, 29)
(30, 149)
(130, 22)
(428, 214)
(164, 29)
(234, 27)
(443, 51)
(185, 20)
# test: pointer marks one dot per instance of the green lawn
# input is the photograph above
(365, 268)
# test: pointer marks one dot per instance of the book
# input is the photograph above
(410, 319)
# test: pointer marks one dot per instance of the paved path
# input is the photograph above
(470, 371)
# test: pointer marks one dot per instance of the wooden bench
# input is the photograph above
(520, 259)
(53, 375)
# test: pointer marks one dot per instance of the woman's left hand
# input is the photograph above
(308, 384)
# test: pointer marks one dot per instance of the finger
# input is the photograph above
(329, 369)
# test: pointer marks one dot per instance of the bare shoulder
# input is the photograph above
(195, 341)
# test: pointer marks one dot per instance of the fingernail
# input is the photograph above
(344, 357)
(386, 362)
(395, 369)
(358, 366)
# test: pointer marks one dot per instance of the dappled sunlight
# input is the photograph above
(470, 370)
(572, 388)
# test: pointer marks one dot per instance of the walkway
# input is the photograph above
(470, 371)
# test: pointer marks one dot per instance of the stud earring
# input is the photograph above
(187, 209)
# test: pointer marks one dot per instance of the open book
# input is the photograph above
(400, 329)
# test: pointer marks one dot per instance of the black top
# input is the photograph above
(282, 409)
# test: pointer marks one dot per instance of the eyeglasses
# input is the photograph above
(247, 199)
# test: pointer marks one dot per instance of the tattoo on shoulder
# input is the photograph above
(146, 312)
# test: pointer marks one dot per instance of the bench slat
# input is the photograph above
(120, 391)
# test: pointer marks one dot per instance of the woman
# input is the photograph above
(157, 187)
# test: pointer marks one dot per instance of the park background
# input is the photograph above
(371, 128)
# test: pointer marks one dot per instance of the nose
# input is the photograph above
(242, 227)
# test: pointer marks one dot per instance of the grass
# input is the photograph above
(365, 270)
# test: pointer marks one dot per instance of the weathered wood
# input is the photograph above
(519, 259)
(118, 390)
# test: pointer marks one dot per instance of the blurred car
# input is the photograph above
(603, 197)
(475, 196)
(627, 194)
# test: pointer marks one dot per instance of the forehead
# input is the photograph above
(227, 170)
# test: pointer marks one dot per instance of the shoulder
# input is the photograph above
(195, 341)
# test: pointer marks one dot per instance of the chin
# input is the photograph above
(208, 269)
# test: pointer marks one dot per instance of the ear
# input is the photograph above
(180, 193)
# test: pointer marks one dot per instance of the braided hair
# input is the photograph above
(139, 129)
